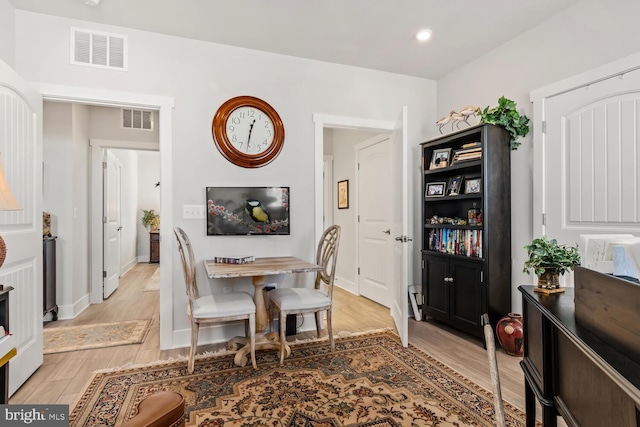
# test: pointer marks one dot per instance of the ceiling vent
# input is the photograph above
(98, 49)
(137, 119)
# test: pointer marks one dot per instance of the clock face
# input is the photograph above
(250, 130)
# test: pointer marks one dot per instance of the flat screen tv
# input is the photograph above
(240, 211)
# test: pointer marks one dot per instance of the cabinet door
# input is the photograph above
(465, 293)
(436, 289)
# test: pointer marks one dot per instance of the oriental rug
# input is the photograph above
(370, 380)
(98, 335)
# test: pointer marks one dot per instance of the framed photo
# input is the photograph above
(435, 189)
(440, 158)
(472, 185)
(455, 183)
(343, 194)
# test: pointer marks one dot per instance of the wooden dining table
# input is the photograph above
(258, 270)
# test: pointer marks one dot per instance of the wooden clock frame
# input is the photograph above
(228, 150)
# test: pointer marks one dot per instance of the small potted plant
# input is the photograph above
(506, 115)
(150, 219)
(549, 260)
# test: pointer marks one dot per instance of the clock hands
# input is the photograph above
(249, 138)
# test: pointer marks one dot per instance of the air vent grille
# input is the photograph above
(98, 49)
(137, 119)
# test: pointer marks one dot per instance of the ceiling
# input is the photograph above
(376, 34)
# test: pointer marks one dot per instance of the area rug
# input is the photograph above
(153, 284)
(74, 338)
(370, 380)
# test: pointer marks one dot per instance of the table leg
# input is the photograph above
(261, 308)
(264, 339)
(530, 405)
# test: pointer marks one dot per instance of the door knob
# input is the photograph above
(119, 228)
(387, 231)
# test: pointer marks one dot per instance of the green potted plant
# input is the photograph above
(506, 115)
(549, 260)
(150, 219)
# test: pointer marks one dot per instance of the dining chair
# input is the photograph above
(493, 367)
(217, 308)
(310, 300)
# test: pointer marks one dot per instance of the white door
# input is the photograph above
(375, 245)
(21, 151)
(591, 160)
(400, 227)
(327, 184)
(112, 224)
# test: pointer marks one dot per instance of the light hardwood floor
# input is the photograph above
(63, 376)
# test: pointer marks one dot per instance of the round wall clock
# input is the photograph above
(248, 131)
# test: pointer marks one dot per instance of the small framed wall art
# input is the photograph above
(343, 194)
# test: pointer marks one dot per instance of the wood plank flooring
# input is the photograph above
(63, 376)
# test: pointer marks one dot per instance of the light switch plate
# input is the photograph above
(193, 211)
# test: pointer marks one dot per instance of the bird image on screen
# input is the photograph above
(235, 211)
(257, 212)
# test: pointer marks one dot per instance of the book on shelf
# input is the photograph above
(235, 259)
(472, 144)
(456, 242)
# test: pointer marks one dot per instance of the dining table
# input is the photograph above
(258, 270)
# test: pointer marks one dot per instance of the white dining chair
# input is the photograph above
(310, 300)
(217, 308)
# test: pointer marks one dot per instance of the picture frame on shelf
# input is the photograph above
(440, 158)
(472, 185)
(435, 189)
(343, 194)
(455, 183)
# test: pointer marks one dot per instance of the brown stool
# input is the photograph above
(161, 409)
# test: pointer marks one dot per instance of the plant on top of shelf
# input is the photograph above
(506, 115)
(150, 219)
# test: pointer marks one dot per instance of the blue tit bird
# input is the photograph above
(257, 212)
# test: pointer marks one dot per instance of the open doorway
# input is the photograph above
(346, 146)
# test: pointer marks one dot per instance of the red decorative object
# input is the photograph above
(510, 336)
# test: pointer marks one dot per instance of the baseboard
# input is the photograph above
(66, 312)
(128, 266)
(346, 285)
(145, 258)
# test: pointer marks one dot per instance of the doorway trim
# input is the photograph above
(322, 121)
(164, 105)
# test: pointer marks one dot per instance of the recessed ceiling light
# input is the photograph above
(91, 2)
(423, 35)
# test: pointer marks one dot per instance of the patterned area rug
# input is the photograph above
(73, 338)
(370, 380)
(154, 282)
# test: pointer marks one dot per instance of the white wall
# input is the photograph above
(80, 200)
(148, 196)
(58, 177)
(297, 88)
(66, 177)
(7, 33)
(582, 37)
(106, 123)
(128, 208)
